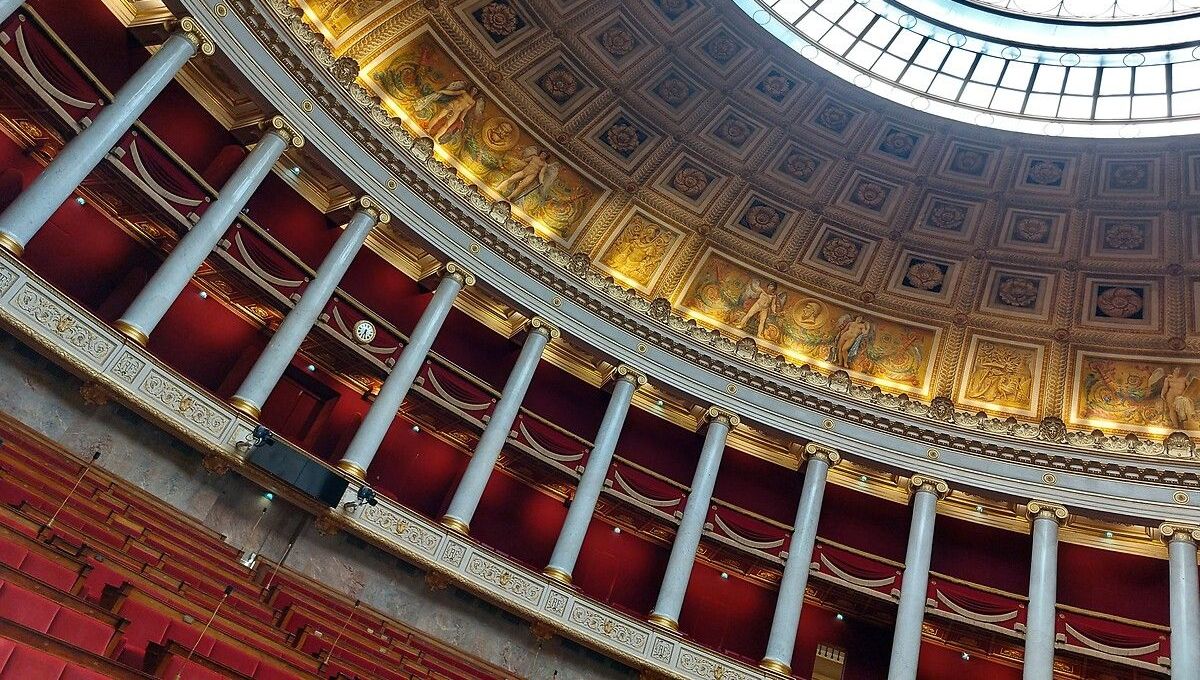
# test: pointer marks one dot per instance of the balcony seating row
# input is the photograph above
(120, 581)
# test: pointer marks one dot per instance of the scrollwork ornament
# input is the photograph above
(1170, 531)
(579, 264)
(374, 209)
(660, 309)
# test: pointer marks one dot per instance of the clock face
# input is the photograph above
(364, 331)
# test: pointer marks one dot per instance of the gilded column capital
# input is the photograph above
(539, 325)
(1171, 532)
(930, 484)
(457, 271)
(190, 29)
(629, 375)
(715, 414)
(371, 207)
(822, 452)
(279, 126)
(1036, 510)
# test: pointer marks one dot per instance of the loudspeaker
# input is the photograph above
(299, 470)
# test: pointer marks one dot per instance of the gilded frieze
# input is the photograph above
(1146, 394)
(809, 328)
(638, 251)
(421, 83)
(1002, 375)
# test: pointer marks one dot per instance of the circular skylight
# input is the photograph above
(1094, 10)
(1046, 74)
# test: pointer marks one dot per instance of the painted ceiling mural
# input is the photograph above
(692, 159)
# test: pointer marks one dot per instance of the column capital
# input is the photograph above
(1036, 510)
(371, 207)
(278, 125)
(930, 484)
(1171, 532)
(457, 271)
(715, 414)
(629, 375)
(813, 450)
(539, 325)
(190, 29)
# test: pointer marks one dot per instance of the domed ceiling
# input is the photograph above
(694, 157)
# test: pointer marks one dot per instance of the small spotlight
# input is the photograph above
(966, 656)
(839, 616)
(416, 428)
(725, 576)
(862, 478)
(659, 403)
(616, 530)
(296, 170)
(269, 496)
(312, 368)
(979, 508)
(204, 295)
(1108, 534)
(81, 200)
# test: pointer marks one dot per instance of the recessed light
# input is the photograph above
(659, 403)
(839, 616)
(81, 200)
(296, 170)
(978, 508)
(204, 295)
(862, 478)
(416, 428)
(269, 496)
(312, 368)
(725, 576)
(1108, 534)
(966, 656)
(616, 530)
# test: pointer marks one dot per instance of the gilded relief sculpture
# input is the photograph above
(810, 328)
(1138, 393)
(422, 81)
(1001, 375)
(638, 251)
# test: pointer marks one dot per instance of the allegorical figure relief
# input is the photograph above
(535, 171)
(763, 301)
(461, 107)
(1179, 407)
(854, 332)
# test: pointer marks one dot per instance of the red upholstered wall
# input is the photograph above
(982, 554)
(1115, 583)
(859, 519)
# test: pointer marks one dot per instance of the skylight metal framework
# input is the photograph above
(1036, 78)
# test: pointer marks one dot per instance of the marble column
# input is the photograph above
(474, 480)
(591, 483)
(1185, 600)
(7, 7)
(284, 344)
(691, 526)
(53, 186)
(152, 303)
(1043, 583)
(906, 642)
(790, 600)
(379, 418)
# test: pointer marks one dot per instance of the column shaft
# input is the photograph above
(34, 206)
(1043, 581)
(790, 601)
(7, 7)
(1185, 608)
(591, 483)
(382, 413)
(152, 303)
(284, 344)
(906, 643)
(691, 526)
(487, 451)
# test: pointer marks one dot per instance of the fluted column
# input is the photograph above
(691, 526)
(790, 600)
(906, 642)
(1185, 600)
(379, 418)
(152, 303)
(34, 206)
(284, 344)
(7, 7)
(591, 483)
(1043, 583)
(470, 488)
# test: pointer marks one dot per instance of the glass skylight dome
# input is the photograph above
(1084, 68)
